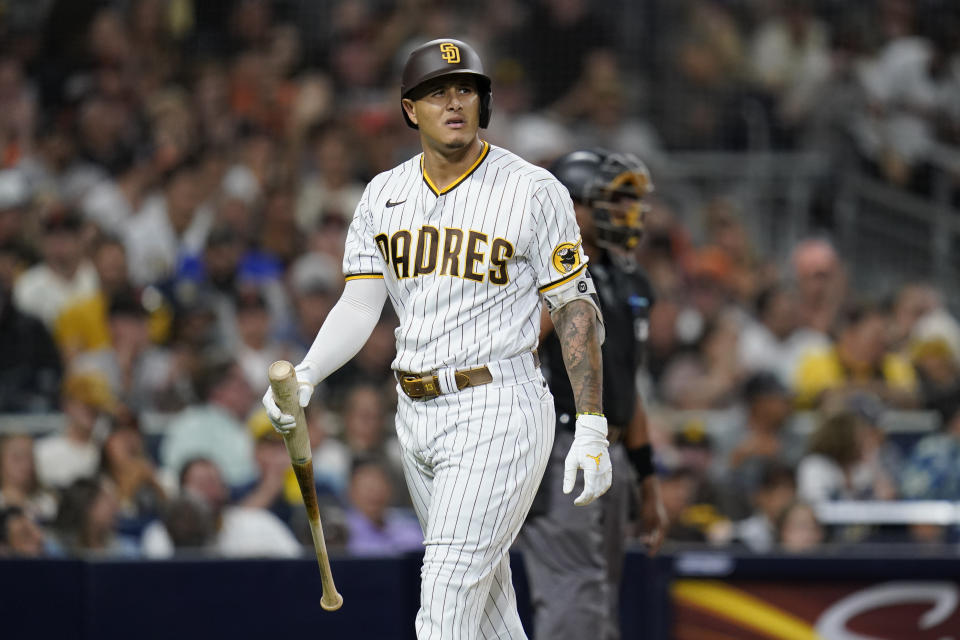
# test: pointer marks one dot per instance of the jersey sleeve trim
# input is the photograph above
(438, 192)
(363, 276)
(567, 278)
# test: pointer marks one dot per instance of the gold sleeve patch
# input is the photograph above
(566, 257)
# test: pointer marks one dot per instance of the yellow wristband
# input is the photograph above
(590, 413)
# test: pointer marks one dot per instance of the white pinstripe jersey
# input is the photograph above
(463, 266)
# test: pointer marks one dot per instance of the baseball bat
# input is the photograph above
(283, 380)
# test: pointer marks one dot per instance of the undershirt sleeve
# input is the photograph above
(346, 329)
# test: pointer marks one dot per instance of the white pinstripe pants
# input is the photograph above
(473, 461)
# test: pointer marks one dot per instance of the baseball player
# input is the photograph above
(465, 239)
(574, 559)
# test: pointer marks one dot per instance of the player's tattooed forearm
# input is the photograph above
(576, 326)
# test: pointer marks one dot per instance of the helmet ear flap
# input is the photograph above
(486, 107)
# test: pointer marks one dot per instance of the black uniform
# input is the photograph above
(574, 555)
(625, 300)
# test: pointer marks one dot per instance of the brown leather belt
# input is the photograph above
(427, 385)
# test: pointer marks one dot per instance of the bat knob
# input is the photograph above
(280, 370)
(332, 602)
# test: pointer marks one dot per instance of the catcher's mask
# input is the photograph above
(613, 186)
(442, 58)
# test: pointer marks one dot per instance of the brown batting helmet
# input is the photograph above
(440, 58)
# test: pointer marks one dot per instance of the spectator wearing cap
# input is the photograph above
(64, 273)
(275, 488)
(376, 529)
(237, 531)
(694, 452)
(939, 375)
(938, 324)
(690, 520)
(776, 490)
(213, 275)
(774, 342)
(256, 349)
(315, 281)
(137, 372)
(64, 457)
(216, 428)
(30, 368)
(768, 406)
(858, 360)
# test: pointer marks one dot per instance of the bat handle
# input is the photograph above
(331, 600)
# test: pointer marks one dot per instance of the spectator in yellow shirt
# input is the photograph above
(82, 325)
(858, 360)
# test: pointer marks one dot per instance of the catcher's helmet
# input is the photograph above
(440, 58)
(612, 185)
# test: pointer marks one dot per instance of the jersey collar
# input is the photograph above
(466, 174)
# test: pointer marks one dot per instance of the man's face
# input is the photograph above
(83, 416)
(866, 340)
(370, 492)
(62, 247)
(203, 481)
(182, 198)
(781, 316)
(363, 419)
(111, 264)
(773, 408)
(235, 393)
(447, 110)
(16, 462)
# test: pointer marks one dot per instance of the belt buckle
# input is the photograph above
(418, 387)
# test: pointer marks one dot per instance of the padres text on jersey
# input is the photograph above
(457, 262)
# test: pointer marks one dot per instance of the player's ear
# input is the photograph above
(408, 108)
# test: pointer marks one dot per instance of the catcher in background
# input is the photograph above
(574, 558)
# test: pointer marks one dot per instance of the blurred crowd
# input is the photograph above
(176, 178)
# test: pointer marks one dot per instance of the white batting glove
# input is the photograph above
(283, 423)
(588, 452)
